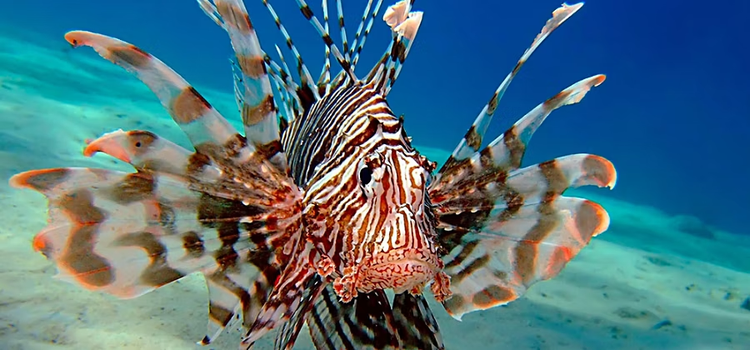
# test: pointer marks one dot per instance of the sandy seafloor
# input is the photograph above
(653, 281)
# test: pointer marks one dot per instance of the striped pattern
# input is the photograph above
(472, 141)
(354, 110)
(258, 108)
(128, 233)
(504, 227)
(365, 323)
(370, 213)
(368, 18)
(369, 322)
(344, 128)
(506, 152)
(510, 232)
(223, 210)
(323, 203)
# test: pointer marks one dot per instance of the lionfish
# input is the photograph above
(323, 204)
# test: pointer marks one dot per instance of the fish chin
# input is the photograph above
(405, 275)
(400, 270)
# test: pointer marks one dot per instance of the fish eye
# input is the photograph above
(365, 175)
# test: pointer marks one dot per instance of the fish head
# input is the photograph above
(380, 227)
(397, 248)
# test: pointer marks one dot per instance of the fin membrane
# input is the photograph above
(504, 227)
(224, 210)
(258, 108)
(415, 323)
(369, 322)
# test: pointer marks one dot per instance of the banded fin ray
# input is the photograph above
(360, 37)
(287, 335)
(473, 139)
(506, 233)
(258, 107)
(506, 152)
(307, 91)
(145, 150)
(497, 262)
(241, 208)
(415, 323)
(370, 322)
(288, 297)
(404, 25)
(239, 293)
(202, 124)
(325, 75)
(343, 59)
(290, 97)
(127, 234)
(342, 29)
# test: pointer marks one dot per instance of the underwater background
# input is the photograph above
(672, 272)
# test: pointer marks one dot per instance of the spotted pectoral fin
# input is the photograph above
(472, 199)
(121, 233)
(129, 233)
(367, 322)
(209, 132)
(498, 262)
(506, 152)
(415, 323)
(513, 231)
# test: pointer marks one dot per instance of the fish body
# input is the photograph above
(322, 204)
(365, 194)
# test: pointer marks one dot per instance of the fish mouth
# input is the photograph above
(401, 270)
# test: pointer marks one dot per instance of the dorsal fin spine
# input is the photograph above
(342, 28)
(344, 62)
(325, 75)
(306, 79)
(361, 44)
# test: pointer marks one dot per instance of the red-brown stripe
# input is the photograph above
(252, 66)
(252, 115)
(526, 253)
(189, 105)
(235, 17)
(131, 55)
(492, 295)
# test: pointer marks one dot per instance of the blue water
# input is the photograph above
(674, 114)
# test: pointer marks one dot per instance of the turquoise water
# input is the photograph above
(671, 272)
